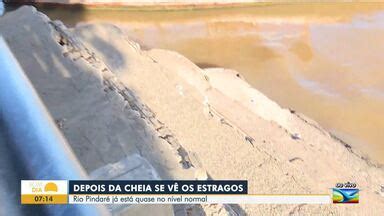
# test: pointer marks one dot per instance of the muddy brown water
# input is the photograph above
(323, 60)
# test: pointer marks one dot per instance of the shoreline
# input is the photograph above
(276, 106)
(114, 99)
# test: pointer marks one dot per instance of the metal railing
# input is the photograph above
(30, 140)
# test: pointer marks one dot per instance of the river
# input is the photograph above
(323, 60)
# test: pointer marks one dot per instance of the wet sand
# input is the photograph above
(323, 60)
(117, 103)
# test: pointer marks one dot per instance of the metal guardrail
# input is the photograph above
(31, 141)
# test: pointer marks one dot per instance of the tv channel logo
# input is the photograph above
(345, 195)
(44, 192)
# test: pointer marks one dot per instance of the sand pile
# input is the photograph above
(120, 106)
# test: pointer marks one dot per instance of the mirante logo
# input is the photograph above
(345, 193)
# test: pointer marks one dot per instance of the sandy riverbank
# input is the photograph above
(294, 46)
(116, 103)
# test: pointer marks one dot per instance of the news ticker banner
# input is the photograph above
(165, 192)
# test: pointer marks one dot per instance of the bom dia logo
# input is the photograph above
(48, 187)
(345, 193)
(44, 192)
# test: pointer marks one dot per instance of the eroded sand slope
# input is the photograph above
(114, 101)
